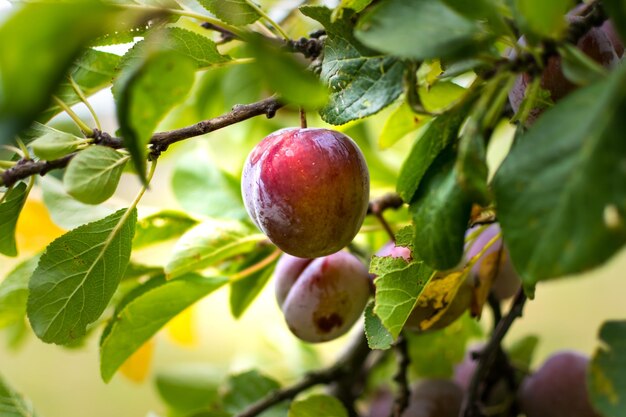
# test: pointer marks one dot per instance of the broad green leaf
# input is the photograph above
(248, 387)
(12, 404)
(400, 123)
(377, 336)
(65, 211)
(361, 80)
(208, 243)
(235, 12)
(9, 213)
(63, 30)
(316, 406)
(419, 29)
(161, 226)
(492, 11)
(202, 50)
(189, 388)
(606, 377)
(397, 287)
(440, 211)
(14, 292)
(545, 20)
(53, 143)
(136, 270)
(434, 353)
(77, 276)
(244, 291)
(286, 75)
(145, 93)
(561, 192)
(440, 133)
(617, 12)
(146, 314)
(92, 176)
(201, 187)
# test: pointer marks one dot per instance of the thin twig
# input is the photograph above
(387, 201)
(404, 393)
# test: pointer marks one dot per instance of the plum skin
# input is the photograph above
(435, 398)
(558, 388)
(321, 298)
(307, 190)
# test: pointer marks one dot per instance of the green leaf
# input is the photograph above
(53, 144)
(397, 287)
(492, 11)
(440, 133)
(361, 80)
(561, 192)
(606, 378)
(400, 123)
(294, 83)
(434, 353)
(9, 213)
(14, 292)
(202, 188)
(440, 95)
(208, 243)
(77, 276)
(248, 387)
(65, 211)
(244, 291)
(377, 336)
(189, 388)
(13, 404)
(234, 12)
(617, 13)
(419, 29)
(440, 211)
(316, 406)
(471, 164)
(356, 5)
(146, 91)
(522, 351)
(142, 317)
(545, 20)
(161, 226)
(63, 30)
(202, 50)
(578, 67)
(92, 176)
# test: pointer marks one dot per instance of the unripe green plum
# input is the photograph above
(435, 398)
(558, 388)
(321, 298)
(307, 190)
(506, 281)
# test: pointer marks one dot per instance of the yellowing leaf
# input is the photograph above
(35, 229)
(137, 366)
(181, 329)
(439, 295)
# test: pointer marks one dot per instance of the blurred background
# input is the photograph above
(206, 340)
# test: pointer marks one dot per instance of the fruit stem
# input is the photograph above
(86, 129)
(268, 19)
(256, 267)
(303, 123)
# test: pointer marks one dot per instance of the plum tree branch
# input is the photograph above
(159, 142)
(402, 399)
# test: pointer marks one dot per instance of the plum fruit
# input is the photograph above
(307, 189)
(435, 398)
(601, 44)
(506, 281)
(321, 298)
(558, 388)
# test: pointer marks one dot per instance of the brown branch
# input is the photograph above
(348, 364)
(402, 399)
(159, 142)
(488, 357)
(387, 201)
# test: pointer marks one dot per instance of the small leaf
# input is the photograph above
(362, 81)
(92, 176)
(54, 144)
(419, 29)
(398, 286)
(316, 406)
(440, 212)
(234, 12)
(188, 388)
(202, 50)
(65, 211)
(86, 263)
(146, 91)
(137, 366)
(248, 387)
(161, 226)
(13, 404)
(146, 314)
(522, 351)
(400, 123)
(377, 335)
(14, 292)
(9, 213)
(208, 243)
(606, 378)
